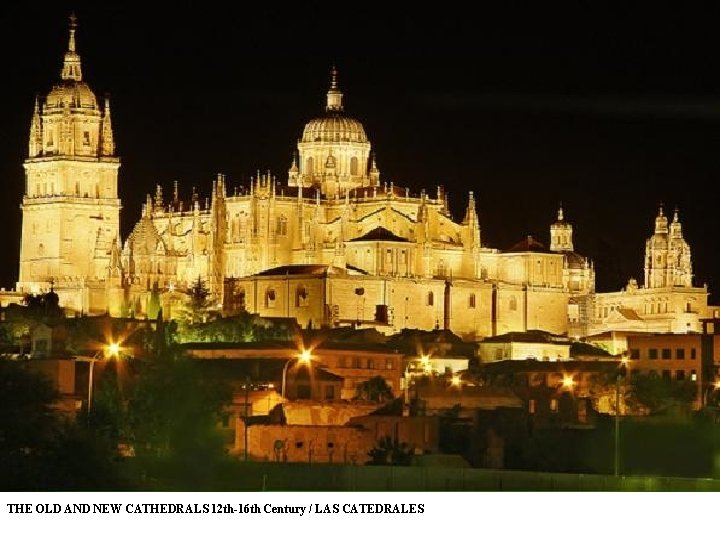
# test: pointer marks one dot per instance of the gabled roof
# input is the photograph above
(380, 233)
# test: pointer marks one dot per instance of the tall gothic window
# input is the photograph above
(471, 301)
(309, 166)
(430, 298)
(354, 166)
(281, 228)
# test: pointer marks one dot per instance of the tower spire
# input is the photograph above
(560, 212)
(334, 95)
(72, 70)
(108, 142)
(661, 222)
(35, 130)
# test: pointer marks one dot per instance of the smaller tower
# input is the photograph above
(561, 233)
(668, 261)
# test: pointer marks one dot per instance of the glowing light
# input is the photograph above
(568, 381)
(455, 381)
(113, 349)
(425, 363)
(305, 356)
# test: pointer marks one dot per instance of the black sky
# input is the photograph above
(609, 108)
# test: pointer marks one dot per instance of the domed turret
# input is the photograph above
(70, 121)
(334, 151)
(561, 233)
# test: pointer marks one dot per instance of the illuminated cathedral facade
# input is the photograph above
(332, 245)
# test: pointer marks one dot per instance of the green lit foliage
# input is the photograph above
(18, 320)
(660, 395)
(173, 415)
(390, 451)
(375, 389)
(153, 305)
(197, 306)
(237, 329)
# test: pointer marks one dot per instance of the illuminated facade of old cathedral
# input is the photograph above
(333, 245)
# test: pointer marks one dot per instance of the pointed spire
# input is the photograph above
(675, 226)
(470, 213)
(560, 215)
(108, 141)
(176, 192)
(72, 70)
(35, 147)
(334, 95)
(147, 207)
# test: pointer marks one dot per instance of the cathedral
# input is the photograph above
(332, 245)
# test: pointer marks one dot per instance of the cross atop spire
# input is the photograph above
(72, 70)
(73, 26)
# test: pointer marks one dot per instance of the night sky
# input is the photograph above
(609, 109)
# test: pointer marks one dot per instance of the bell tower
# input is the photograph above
(70, 208)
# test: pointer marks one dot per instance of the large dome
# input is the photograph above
(334, 128)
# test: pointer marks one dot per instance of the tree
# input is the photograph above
(153, 305)
(27, 425)
(390, 451)
(660, 395)
(198, 303)
(173, 413)
(375, 389)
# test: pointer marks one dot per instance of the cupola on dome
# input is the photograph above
(334, 126)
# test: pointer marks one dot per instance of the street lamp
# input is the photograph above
(111, 350)
(621, 371)
(304, 357)
(246, 387)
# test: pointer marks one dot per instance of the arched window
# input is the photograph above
(309, 166)
(301, 296)
(354, 166)
(270, 298)
(471, 301)
(513, 303)
(430, 298)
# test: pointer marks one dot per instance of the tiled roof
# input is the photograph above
(380, 233)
